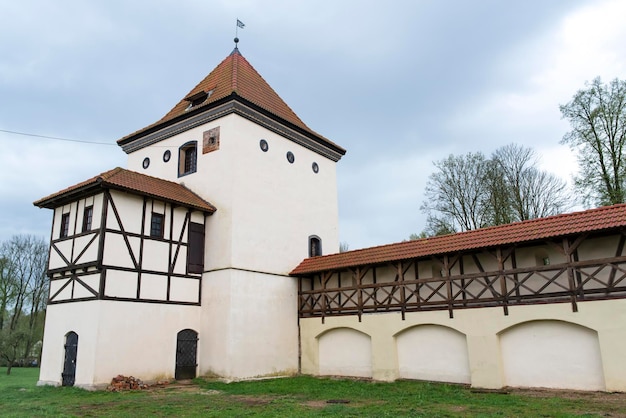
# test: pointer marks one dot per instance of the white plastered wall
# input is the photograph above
(345, 352)
(249, 325)
(266, 210)
(265, 204)
(482, 328)
(433, 352)
(552, 354)
(136, 339)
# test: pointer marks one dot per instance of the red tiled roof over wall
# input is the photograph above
(603, 218)
(141, 184)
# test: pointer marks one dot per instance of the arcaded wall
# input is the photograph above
(545, 345)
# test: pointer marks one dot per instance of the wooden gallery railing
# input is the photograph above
(325, 294)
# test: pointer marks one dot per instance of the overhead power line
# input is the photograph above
(56, 138)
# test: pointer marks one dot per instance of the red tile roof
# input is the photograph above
(132, 182)
(235, 77)
(603, 218)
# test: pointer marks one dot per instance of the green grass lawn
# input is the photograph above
(298, 396)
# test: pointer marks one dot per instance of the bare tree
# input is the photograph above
(530, 193)
(471, 191)
(597, 117)
(456, 194)
(7, 287)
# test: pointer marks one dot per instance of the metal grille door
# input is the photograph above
(186, 354)
(69, 368)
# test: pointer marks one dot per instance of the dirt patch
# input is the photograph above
(611, 397)
(252, 400)
(182, 386)
(613, 404)
(315, 404)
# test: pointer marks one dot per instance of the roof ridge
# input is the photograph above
(589, 220)
(234, 71)
(109, 173)
(134, 182)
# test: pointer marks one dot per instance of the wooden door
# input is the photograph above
(69, 367)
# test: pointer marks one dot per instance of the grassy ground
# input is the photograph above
(299, 396)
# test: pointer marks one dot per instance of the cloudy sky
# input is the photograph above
(399, 84)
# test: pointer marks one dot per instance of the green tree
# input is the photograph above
(23, 295)
(11, 344)
(597, 117)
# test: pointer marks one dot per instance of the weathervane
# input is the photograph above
(239, 25)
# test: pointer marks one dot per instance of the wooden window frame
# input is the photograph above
(157, 228)
(188, 158)
(87, 218)
(65, 225)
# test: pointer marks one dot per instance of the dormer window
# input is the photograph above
(187, 158)
(198, 98)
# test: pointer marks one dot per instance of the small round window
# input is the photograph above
(315, 167)
(290, 157)
(264, 146)
(146, 163)
(167, 155)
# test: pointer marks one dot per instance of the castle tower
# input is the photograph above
(163, 270)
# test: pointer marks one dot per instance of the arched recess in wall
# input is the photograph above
(433, 352)
(552, 354)
(345, 352)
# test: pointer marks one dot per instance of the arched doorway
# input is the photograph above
(186, 354)
(69, 366)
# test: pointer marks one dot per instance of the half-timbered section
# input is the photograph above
(129, 237)
(125, 267)
(568, 269)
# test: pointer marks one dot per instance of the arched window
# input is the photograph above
(315, 246)
(187, 158)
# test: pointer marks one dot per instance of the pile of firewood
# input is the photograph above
(119, 383)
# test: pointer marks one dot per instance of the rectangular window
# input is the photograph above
(190, 160)
(195, 250)
(156, 225)
(87, 218)
(65, 225)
